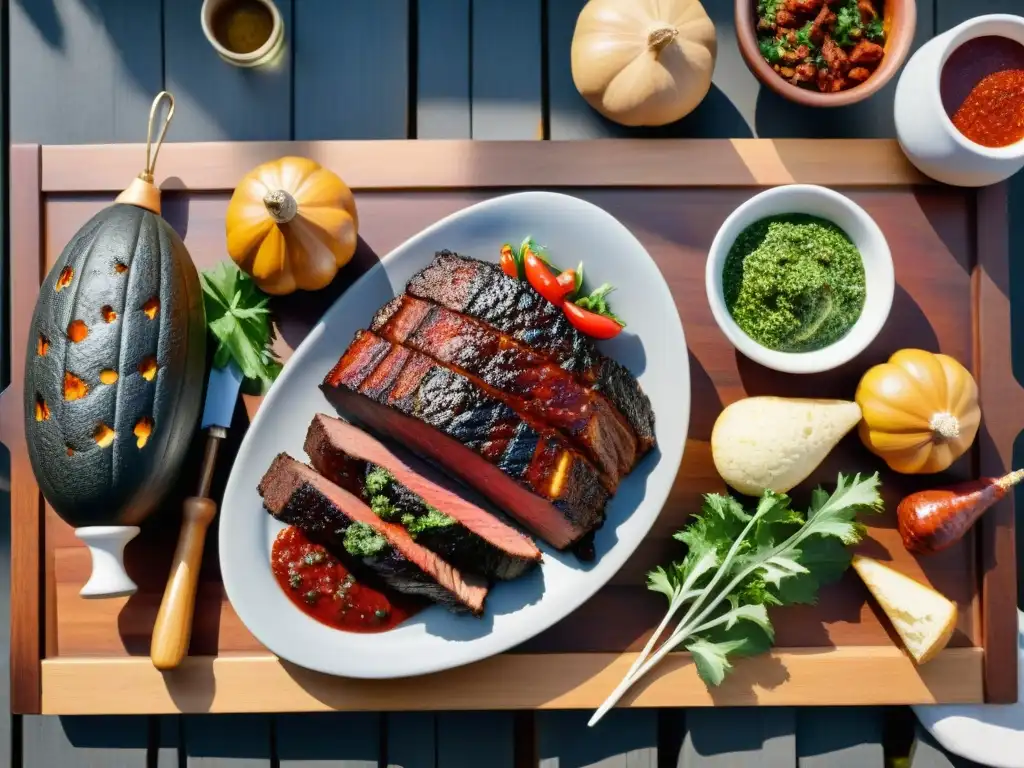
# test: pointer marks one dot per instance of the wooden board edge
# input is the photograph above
(1002, 401)
(865, 675)
(461, 164)
(26, 503)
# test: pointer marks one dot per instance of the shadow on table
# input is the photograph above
(952, 222)
(111, 732)
(705, 402)
(298, 313)
(130, 29)
(716, 117)
(779, 118)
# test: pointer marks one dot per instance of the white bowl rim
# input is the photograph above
(868, 325)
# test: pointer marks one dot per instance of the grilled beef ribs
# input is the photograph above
(514, 374)
(296, 495)
(468, 537)
(525, 469)
(482, 291)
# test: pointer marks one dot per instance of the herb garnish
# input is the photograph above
(362, 541)
(238, 317)
(740, 564)
(597, 301)
(588, 313)
(385, 495)
(771, 49)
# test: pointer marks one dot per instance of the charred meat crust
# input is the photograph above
(516, 375)
(455, 543)
(543, 484)
(296, 495)
(480, 289)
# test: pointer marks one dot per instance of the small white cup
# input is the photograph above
(924, 129)
(266, 54)
(879, 275)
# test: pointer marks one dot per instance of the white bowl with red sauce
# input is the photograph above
(948, 121)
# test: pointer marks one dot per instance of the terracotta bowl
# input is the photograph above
(900, 20)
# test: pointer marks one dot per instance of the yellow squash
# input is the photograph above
(920, 411)
(292, 225)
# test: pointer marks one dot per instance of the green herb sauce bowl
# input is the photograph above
(879, 276)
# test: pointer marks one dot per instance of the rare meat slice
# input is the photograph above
(525, 469)
(468, 537)
(296, 495)
(481, 290)
(513, 373)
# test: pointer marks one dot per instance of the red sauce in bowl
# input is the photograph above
(322, 587)
(982, 86)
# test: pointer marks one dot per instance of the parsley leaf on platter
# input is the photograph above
(739, 564)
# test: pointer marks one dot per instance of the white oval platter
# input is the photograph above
(652, 346)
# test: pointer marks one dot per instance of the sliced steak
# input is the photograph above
(523, 467)
(296, 495)
(513, 373)
(481, 290)
(468, 537)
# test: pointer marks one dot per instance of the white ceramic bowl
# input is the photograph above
(927, 134)
(861, 229)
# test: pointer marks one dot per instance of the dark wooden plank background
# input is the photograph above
(85, 71)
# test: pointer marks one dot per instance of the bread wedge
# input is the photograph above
(923, 618)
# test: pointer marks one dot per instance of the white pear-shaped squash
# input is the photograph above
(643, 62)
(774, 443)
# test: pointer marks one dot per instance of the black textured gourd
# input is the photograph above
(115, 368)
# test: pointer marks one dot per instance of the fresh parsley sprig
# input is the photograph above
(739, 564)
(238, 317)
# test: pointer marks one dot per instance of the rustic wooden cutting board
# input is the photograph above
(70, 655)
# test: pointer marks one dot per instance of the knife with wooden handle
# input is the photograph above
(173, 627)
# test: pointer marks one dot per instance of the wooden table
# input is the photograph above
(85, 71)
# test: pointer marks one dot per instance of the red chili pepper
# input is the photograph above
(591, 323)
(542, 279)
(508, 261)
(567, 282)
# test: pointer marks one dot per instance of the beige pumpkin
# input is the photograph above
(291, 224)
(643, 62)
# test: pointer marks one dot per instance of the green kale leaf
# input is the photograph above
(740, 563)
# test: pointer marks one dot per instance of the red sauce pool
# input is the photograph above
(982, 87)
(323, 588)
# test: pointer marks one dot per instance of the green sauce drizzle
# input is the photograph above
(794, 283)
(362, 541)
(379, 488)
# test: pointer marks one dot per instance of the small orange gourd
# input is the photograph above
(291, 224)
(920, 411)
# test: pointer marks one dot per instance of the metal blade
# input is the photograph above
(221, 395)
